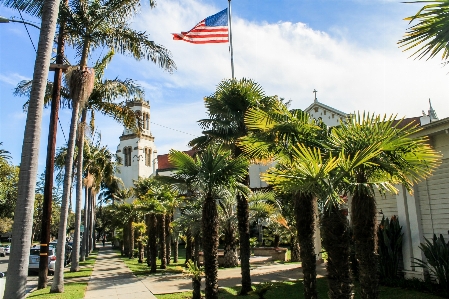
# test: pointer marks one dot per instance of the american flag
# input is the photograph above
(213, 29)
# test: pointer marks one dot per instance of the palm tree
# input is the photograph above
(212, 170)
(273, 135)
(398, 159)
(91, 25)
(226, 109)
(429, 35)
(16, 280)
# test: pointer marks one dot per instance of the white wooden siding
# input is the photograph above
(387, 204)
(435, 215)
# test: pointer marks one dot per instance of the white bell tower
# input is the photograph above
(138, 153)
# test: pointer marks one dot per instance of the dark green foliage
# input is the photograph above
(437, 260)
(389, 234)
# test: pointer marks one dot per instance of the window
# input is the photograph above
(127, 156)
(148, 156)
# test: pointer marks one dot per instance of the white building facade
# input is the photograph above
(138, 152)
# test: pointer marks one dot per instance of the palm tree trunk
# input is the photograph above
(363, 215)
(189, 256)
(74, 267)
(336, 242)
(89, 219)
(131, 238)
(294, 245)
(147, 247)
(50, 164)
(86, 219)
(245, 249)
(93, 223)
(175, 249)
(152, 241)
(161, 221)
(210, 246)
(167, 238)
(125, 239)
(58, 279)
(305, 205)
(230, 250)
(196, 246)
(23, 215)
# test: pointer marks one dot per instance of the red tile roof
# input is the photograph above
(164, 164)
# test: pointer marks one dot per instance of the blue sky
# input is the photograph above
(345, 49)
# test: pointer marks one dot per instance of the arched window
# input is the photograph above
(148, 156)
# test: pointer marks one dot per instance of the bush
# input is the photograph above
(389, 234)
(437, 260)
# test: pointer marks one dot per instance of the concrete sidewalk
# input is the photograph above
(166, 284)
(111, 278)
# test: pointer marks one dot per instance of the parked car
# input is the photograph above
(68, 251)
(35, 256)
(2, 251)
(7, 249)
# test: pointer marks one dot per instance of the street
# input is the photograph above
(31, 280)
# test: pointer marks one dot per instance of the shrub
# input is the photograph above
(437, 260)
(389, 234)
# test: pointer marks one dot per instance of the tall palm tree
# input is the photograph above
(92, 25)
(273, 136)
(226, 109)
(16, 280)
(399, 159)
(211, 171)
(429, 35)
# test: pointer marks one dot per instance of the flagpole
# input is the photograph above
(230, 39)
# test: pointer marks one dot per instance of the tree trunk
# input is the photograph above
(245, 249)
(336, 242)
(86, 221)
(196, 251)
(93, 222)
(162, 247)
(175, 250)
(210, 247)
(58, 280)
(131, 238)
(141, 255)
(363, 215)
(277, 241)
(167, 238)
(74, 267)
(230, 250)
(152, 241)
(23, 216)
(189, 256)
(294, 245)
(196, 284)
(147, 247)
(89, 220)
(125, 239)
(305, 224)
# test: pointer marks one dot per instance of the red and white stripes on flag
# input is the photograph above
(213, 29)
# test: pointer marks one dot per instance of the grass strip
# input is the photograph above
(72, 290)
(296, 290)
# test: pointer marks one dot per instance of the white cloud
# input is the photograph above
(291, 59)
(12, 79)
(287, 59)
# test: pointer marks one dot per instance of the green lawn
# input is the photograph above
(72, 290)
(143, 269)
(295, 290)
